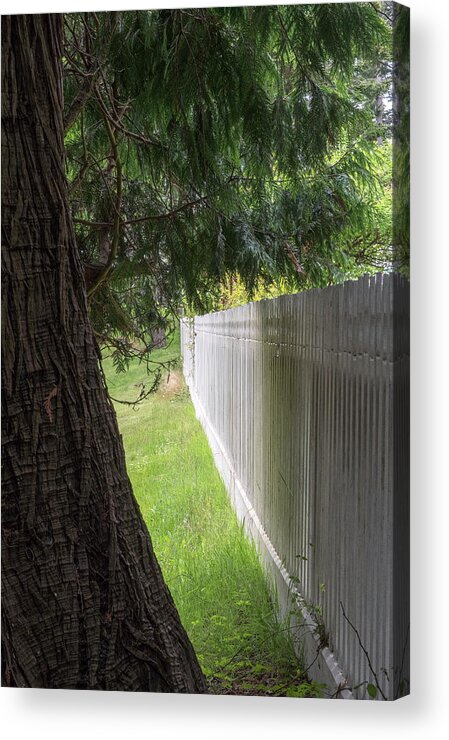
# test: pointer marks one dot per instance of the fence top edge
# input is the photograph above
(380, 281)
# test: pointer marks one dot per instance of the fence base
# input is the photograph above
(321, 664)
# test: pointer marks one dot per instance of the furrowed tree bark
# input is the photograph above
(84, 602)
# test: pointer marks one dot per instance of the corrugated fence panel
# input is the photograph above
(308, 395)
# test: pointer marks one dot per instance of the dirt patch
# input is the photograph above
(172, 385)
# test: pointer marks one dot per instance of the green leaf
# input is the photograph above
(372, 690)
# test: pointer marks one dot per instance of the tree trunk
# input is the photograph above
(84, 602)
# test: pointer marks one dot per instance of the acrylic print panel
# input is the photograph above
(227, 187)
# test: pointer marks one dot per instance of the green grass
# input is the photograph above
(211, 568)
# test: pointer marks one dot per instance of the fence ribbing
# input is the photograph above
(308, 395)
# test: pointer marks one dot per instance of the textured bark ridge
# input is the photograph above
(84, 601)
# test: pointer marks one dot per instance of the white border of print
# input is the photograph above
(73, 715)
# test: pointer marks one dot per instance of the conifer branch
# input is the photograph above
(117, 216)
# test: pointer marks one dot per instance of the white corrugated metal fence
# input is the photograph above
(308, 396)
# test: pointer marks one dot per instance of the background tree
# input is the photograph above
(210, 143)
(401, 127)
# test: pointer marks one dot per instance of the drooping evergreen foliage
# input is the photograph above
(205, 143)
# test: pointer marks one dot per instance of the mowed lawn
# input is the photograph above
(210, 566)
